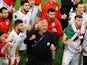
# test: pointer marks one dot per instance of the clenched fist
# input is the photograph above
(32, 37)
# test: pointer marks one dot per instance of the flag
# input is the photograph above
(71, 32)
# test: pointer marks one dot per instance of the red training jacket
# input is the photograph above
(48, 5)
(5, 25)
(55, 24)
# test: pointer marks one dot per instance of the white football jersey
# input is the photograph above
(20, 41)
(14, 36)
(24, 17)
(72, 17)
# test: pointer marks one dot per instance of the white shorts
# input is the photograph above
(70, 58)
(4, 61)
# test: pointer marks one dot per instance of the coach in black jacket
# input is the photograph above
(66, 6)
(65, 9)
(40, 43)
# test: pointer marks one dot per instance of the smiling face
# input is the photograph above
(80, 8)
(4, 13)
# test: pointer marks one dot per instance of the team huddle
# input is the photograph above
(36, 31)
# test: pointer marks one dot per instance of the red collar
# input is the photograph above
(17, 32)
(23, 12)
(78, 28)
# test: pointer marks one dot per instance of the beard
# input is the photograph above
(20, 30)
(26, 10)
(51, 19)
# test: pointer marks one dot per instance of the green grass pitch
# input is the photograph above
(59, 53)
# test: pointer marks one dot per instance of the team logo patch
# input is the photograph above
(7, 23)
(56, 8)
(53, 24)
(15, 16)
(48, 43)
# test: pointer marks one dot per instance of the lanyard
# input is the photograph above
(36, 42)
(32, 9)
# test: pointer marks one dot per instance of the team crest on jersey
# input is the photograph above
(56, 8)
(53, 24)
(7, 23)
(15, 16)
(48, 43)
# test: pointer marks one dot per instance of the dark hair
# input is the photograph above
(1, 32)
(24, 1)
(78, 16)
(17, 22)
(3, 8)
(78, 4)
(51, 10)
